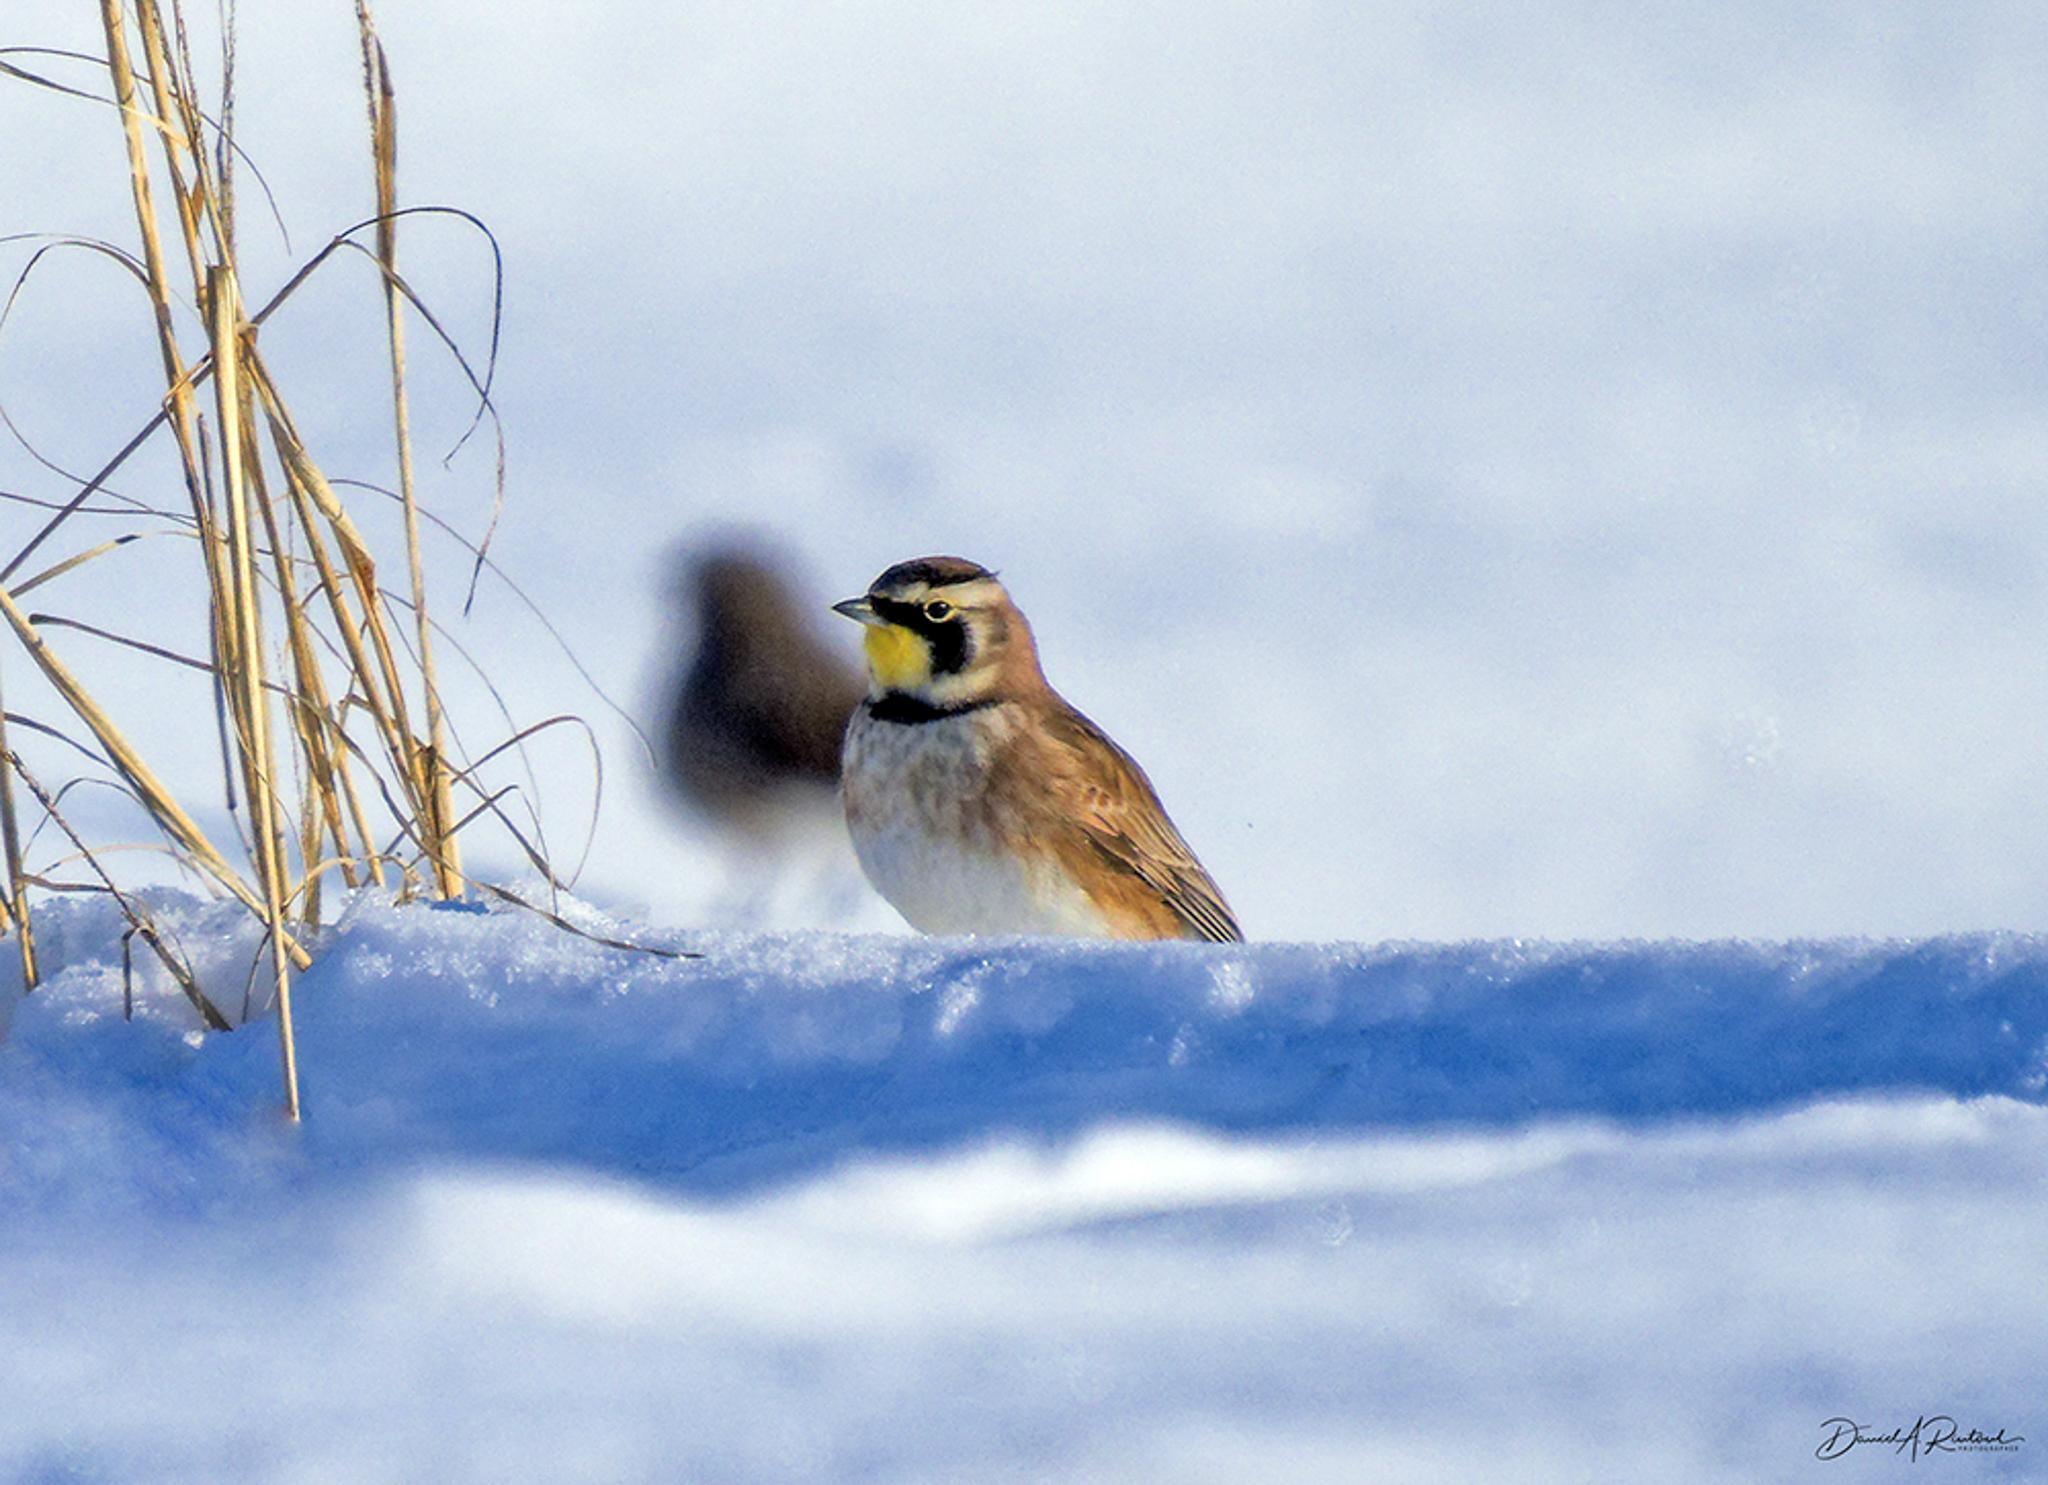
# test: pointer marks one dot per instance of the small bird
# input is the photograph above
(979, 801)
(756, 723)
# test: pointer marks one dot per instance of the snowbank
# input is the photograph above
(900, 1209)
(492, 1035)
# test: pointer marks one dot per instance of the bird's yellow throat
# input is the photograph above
(897, 659)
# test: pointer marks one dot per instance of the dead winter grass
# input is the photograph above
(334, 741)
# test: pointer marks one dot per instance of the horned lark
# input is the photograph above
(980, 801)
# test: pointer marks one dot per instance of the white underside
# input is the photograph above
(940, 887)
(942, 876)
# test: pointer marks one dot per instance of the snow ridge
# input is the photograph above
(493, 1036)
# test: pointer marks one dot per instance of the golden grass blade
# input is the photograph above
(224, 162)
(177, 130)
(320, 807)
(14, 912)
(180, 399)
(132, 118)
(224, 314)
(384, 697)
(383, 105)
(58, 569)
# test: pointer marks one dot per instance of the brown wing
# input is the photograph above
(1120, 837)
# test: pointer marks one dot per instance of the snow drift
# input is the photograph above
(495, 1035)
(814, 1206)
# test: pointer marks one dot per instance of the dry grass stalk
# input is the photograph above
(287, 573)
(250, 704)
(378, 683)
(14, 911)
(433, 767)
(291, 583)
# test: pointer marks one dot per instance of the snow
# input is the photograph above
(879, 1208)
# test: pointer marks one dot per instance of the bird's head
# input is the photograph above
(942, 630)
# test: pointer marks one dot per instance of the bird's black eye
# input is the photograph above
(937, 609)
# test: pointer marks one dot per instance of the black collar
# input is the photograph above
(908, 711)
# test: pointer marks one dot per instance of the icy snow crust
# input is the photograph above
(823, 1207)
(494, 1035)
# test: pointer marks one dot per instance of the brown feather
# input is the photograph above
(1100, 817)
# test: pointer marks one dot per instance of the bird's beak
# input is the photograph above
(861, 609)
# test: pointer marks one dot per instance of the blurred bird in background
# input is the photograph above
(755, 724)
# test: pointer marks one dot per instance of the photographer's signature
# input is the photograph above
(1938, 1434)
